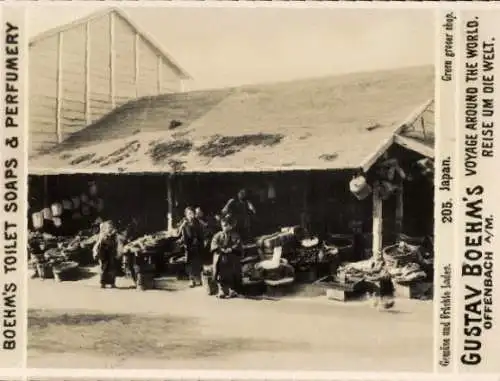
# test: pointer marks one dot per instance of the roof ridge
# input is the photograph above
(123, 15)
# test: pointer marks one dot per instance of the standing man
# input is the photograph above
(227, 249)
(193, 241)
(107, 250)
(242, 211)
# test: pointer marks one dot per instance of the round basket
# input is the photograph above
(414, 241)
(394, 256)
(342, 242)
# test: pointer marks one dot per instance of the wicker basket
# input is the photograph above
(342, 242)
(394, 257)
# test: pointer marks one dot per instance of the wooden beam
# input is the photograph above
(377, 222)
(112, 59)
(414, 145)
(136, 64)
(158, 79)
(384, 146)
(88, 116)
(170, 201)
(59, 95)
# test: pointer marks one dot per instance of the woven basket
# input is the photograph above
(394, 257)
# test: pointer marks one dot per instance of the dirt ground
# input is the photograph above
(78, 325)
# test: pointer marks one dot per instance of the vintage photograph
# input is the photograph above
(231, 188)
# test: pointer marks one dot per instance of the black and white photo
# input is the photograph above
(234, 188)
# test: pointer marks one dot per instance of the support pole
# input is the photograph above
(170, 201)
(377, 222)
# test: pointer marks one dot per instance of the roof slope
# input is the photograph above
(120, 13)
(334, 122)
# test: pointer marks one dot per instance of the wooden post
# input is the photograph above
(59, 100)
(182, 86)
(170, 200)
(88, 117)
(399, 210)
(112, 59)
(377, 222)
(136, 63)
(158, 65)
(45, 190)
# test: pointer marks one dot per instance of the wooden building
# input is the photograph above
(304, 139)
(82, 71)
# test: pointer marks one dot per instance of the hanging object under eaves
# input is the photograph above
(386, 189)
(57, 209)
(76, 202)
(359, 187)
(47, 213)
(67, 204)
(93, 188)
(389, 169)
(426, 166)
(38, 220)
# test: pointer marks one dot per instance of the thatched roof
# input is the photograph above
(336, 122)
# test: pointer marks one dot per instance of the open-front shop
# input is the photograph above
(327, 228)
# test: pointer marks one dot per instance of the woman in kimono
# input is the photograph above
(193, 242)
(227, 250)
(106, 251)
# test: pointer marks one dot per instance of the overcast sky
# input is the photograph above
(233, 46)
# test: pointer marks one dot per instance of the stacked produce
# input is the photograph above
(148, 243)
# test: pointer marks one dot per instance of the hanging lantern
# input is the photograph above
(271, 192)
(57, 209)
(85, 210)
(76, 216)
(37, 219)
(76, 202)
(57, 221)
(47, 213)
(67, 204)
(360, 188)
(99, 204)
(84, 198)
(93, 188)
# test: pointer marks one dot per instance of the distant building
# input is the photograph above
(81, 71)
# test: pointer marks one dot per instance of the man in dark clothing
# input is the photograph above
(242, 211)
(107, 250)
(193, 241)
(227, 250)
